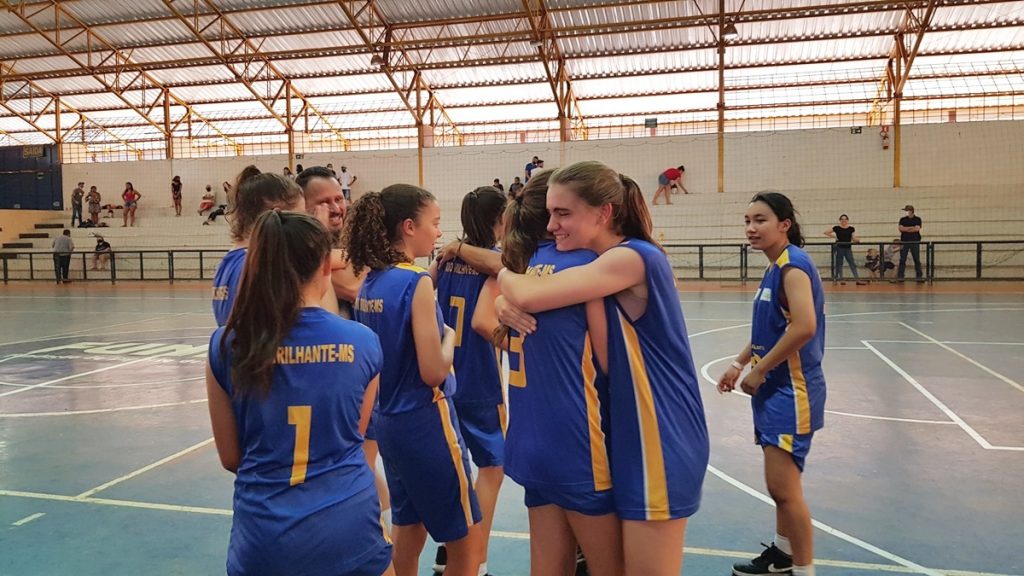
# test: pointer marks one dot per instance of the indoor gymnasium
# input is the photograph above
(657, 207)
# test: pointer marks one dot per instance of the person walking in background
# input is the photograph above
(94, 205)
(910, 242)
(76, 203)
(101, 255)
(845, 236)
(667, 179)
(176, 194)
(63, 246)
(346, 179)
(131, 202)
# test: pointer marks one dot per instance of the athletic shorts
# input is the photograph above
(798, 445)
(663, 180)
(427, 469)
(590, 503)
(483, 430)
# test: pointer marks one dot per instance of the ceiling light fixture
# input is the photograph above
(376, 60)
(730, 33)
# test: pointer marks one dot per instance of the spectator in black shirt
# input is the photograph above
(910, 241)
(843, 251)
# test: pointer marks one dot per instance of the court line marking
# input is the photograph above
(28, 519)
(102, 410)
(964, 356)
(948, 342)
(71, 377)
(940, 405)
(916, 568)
(143, 470)
(926, 311)
(94, 386)
(704, 371)
(496, 533)
(76, 332)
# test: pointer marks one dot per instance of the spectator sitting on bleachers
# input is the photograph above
(208, 201)
(101, 255)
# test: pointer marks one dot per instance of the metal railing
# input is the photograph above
(941, 260)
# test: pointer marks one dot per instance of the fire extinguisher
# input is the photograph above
(885, 137)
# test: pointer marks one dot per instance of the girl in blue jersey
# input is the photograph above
(254, 193)
(785, 382)
(425, 460)
(290, 388)
(479, 399)
(556, 439)
(658, 439)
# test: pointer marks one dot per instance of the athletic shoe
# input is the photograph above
(771, 562)
(440, 559)
(581, 563)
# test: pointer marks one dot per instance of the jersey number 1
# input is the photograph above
(300, 417)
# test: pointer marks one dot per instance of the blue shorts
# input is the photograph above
(591, 503)
(798, 445)
(427, 469)
(346, 538)
(131, 204)
(347, 193)
(663, 180)
(483, 429)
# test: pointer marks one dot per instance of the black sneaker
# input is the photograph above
(581, 563)
(440, 559)
(772, 561)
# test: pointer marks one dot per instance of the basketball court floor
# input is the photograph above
(107, 464)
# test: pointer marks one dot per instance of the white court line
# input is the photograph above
(722, 329)
(79, 375)
(143, 470)
(938, 403)
(707, 376)
(915, 568)
(28, 519)
(101, 410)
(964, 356)
(66, 334)
(496, 533)
(947, 342)
(926, 311)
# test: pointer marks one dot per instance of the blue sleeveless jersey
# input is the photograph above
(659, 439)
(556, 433)
(477, 362)
(792, 399)
(385, 305)
(302, 460)
(225, 283)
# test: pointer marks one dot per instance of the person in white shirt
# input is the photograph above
(346, 179)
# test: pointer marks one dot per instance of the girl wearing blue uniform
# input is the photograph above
(479, 399)
(785, 382)
(290, 390)
(556, 445)
(254, 193)
(659, 444)
(425, 460)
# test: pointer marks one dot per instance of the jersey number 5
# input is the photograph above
(300, 417)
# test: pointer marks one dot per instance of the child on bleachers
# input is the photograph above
(872, 262)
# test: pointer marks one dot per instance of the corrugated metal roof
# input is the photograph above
(401, 11)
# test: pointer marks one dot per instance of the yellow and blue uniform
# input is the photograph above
(790, 405)
(305, 501)
(225, 283)
(478, 398)
(425, 459)
(556, 445)
(659, 439)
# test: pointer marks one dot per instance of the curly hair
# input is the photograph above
(372, 225)
(257, 194)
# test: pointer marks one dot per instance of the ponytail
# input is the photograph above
(526, 221)
(632, 218)
(286, 251)
(481, 209)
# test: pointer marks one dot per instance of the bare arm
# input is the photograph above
(485, 317)
(482, 260)
(612, 272)
(433, 355)
(222, 419)
(803, 324)
(343, 278)
(369, 399)
(830, 233)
